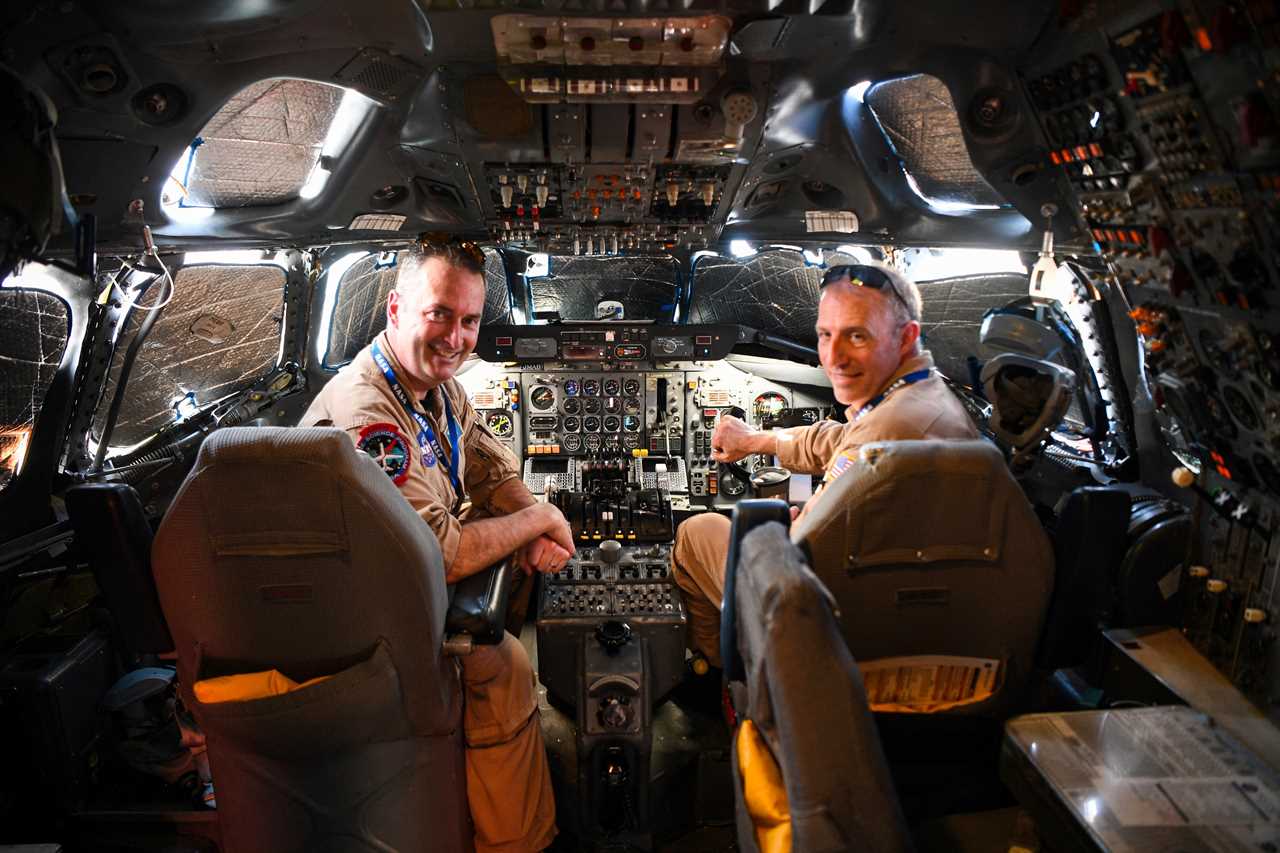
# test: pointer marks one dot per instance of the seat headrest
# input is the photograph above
(1029, 397)
(286, 483)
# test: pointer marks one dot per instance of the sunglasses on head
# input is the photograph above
(864, 276)
(437, 241)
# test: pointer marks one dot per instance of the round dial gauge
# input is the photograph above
(542, 397)
(499, 423)
(631, 387)
(1241, 408)
(571, 406)
(613, 405)
(571, 443)
(593, 442)
(611, 387)
(631, 405)
(590, 388)
(613, 423)
(611, 442)
(591, 424)
(571, 424)
(591, 405)
(631, 423)
(631, 442)
(571, 388)
(768, 405)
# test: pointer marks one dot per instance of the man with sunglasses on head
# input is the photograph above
(400, 404)
(869, 345)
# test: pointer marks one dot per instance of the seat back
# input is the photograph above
(806, 703)
(941, 569)
(113, 530)
(286, 549)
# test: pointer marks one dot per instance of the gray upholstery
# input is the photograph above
(288, 549)
(806, 696)
(931, 548)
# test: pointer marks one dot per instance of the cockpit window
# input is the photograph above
(774, 291)
(919, 121)
(647, 288)
(221, 331)
(262, 147)
(33, 335)
(360, 306)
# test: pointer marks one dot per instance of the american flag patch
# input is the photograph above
(843, 461)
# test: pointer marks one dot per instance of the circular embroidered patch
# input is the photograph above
(384, 444)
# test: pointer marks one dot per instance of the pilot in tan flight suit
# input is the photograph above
(869, 345)
(399, 403)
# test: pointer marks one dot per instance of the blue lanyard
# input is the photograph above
(426, 435)
(909, 379)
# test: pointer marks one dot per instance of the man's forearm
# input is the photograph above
(485, 541)
(511, 496)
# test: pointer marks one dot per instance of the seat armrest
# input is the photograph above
(747, 515)
(478, 604)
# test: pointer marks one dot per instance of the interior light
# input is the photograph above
(1097, 117)
(859, 253)
(813, 258)
(227, 256)
(932, 264)
(859, 90)
(741, 249)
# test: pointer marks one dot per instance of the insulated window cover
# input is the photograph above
(262, 145)
(918, 118)
(219, 333)
(33, 336)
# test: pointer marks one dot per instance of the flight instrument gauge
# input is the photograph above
(591, 424)
(612, 405)
(631, 387)
(571, 406)
(590, 388)
(631, 405)
(499, 423)
(631, 423)
(612, 387)
(572, 424)
(768, 405)
(593, 442)
(591, 406)
(571, 443)
(571, 388)
(542, 397)
(612, 423)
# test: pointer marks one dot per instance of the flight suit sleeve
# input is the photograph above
(807, 449)
(356, 415)
(489, 462)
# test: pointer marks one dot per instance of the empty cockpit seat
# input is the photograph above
(809, 770)
(287, 550)
(941, 570)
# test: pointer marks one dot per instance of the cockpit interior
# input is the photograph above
(204, 208)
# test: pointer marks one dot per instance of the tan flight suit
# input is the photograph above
(924, 409)
(508, 784)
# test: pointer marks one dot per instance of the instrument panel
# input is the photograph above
(558, 415)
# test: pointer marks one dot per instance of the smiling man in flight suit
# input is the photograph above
(869, 345)
(400, 404)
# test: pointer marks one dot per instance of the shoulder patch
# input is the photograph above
(843, 461)
(386, 445)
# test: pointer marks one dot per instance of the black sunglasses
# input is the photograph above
(438, 241)
(864, 276)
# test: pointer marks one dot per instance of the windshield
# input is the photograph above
(647, 288)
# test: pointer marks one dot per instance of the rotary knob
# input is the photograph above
(613, 634)
(610, 551)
